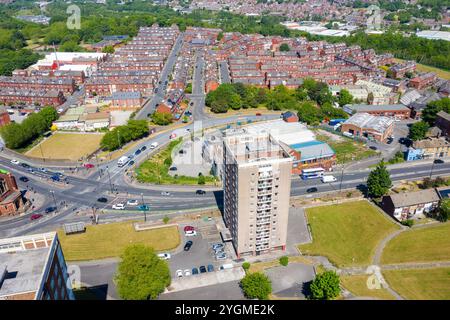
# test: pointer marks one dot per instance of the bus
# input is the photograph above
(312, 173)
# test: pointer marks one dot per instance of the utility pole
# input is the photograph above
(54, 199)
(432, 167)
(109, 176)
(342, 173)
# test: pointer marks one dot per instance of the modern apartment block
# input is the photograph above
(33, 267)
(257, 186)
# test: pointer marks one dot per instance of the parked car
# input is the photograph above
(258, 114)
(118, 206)
(50, 209)
(217, 246)
(200, 192)
(35, 216)
(102, 199)
(173, 169)
(373, 147)
(190, 233)
(210, 268)
(438, 161)
(221, 256)
(179, 273)
(14, 161)
(188, 245)
(187, 273)
(311, 190)
(132, 202)
(202, 269)
(24, 179)
(188, 228)
(194, 271)
(390, 140)
(164, 256)
(89, 165)
(143, 148)
(165, 193)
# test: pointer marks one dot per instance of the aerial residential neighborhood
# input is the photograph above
(221, 151)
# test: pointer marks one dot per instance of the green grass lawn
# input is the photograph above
(347, 233)
(357, 285)
(156, 169)
(109, 240)
(441, 73)
(419, 245)
(347, 148)
(69, 146)
(420, 284)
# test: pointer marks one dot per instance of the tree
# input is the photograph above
(188, 88)
(256, 286)
(162, 118)
(108, 49)
(418, 130)
(141, 274)
(432, 108)
(325, 286)
(201, 179)
(379, 181)
(166, 219)
(444, 210)
(284, 47)
(284, 260)
(246, 266)
(345, 97)
(219, 36)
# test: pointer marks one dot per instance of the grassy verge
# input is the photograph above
(156, 169)
(419, 245)
(444, 74)
(109, 240)
(357, 285)
(347, 148)
(347, 233)
(420, 284)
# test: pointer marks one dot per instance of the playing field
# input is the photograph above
(420, 284)
(110, 240)
(347, 233)
(67, 146)
(419, 245)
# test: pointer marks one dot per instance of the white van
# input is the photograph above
(328, 179)
(154, 145)
(347, 134)
(226, 266)
(123, 161)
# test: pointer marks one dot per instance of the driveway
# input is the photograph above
(289, 281)
(297, 231)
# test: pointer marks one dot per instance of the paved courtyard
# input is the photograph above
(222, 291)
(289, 281)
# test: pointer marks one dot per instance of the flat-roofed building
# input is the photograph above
(257, 174)
(33, 267)
(397, 111)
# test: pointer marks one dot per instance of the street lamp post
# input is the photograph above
(54, 199)
(109, 177)
(432, 167)
(144, 207)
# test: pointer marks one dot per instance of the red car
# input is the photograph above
(258, 114)
(88, 165)
(189, 228)
(35, 216)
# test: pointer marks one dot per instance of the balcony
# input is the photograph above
(264, 199)
(262, 221)
(264, 207)
(263, 215)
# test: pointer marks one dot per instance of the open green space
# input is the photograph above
(347, 234)
(346, 148)
(68, 146)
(441, 73)
(156, 169)
(109, 240)
(357, 285)
(419, 245)
(420, 284)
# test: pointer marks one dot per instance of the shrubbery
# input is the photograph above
(116, 138)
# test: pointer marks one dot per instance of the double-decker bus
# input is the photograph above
(313, 173)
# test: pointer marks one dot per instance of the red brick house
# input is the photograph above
(11, 201)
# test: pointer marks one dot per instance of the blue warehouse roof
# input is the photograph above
(313, 150)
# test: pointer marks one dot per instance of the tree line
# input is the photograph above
(119, 136)
(20, 135)
(418, 130)
(312, 100)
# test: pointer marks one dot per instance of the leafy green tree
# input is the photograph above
(309, 113)
(141, 274)
(161, 118)
(326, 286)
(444, 210)
(246, 266)
(345, 97)
(284, 47)
(108, 49)
(418, 130)
(220, 36)
(201, 179)
(256, 286)
(284, 261)
(432, 108)
(379, 181)
(188, 88)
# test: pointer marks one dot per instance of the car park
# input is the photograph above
(14, 161)
(102, 199)
(164, 256)
(179, 273)
(118, 206)
(194, 271)
(24, 179)
(202, 269)
(188, 245)
(200, 192)
(35, 216)
(438, 161)
(311, 190)
(210, 268)
(187, 273)
(132, 202)
(165, 193)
